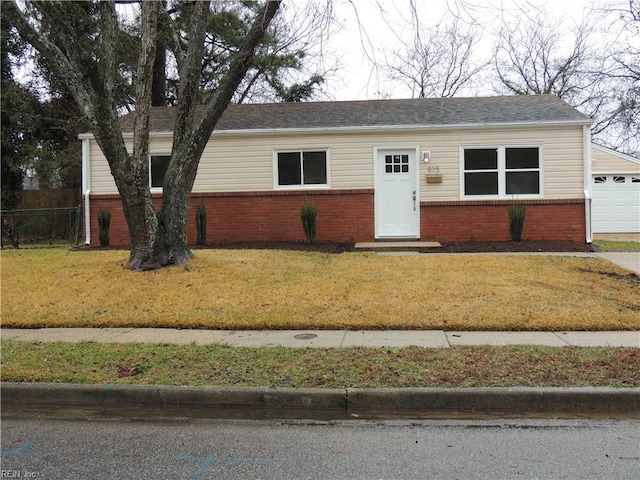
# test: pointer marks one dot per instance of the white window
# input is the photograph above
(307, 168)
(501, 171)
(158, 165)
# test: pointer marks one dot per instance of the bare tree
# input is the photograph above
(620, 125)
(535, 54)
(88, 65)
(437, 61)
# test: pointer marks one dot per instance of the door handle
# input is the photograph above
(414, 200)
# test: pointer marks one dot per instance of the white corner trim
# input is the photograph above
(86, 188)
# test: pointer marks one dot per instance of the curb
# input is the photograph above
(336, 404)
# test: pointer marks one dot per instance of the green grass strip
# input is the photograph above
(215, 365)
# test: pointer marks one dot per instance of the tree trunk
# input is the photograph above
(191, 136)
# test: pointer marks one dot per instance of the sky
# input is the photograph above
(370, 29)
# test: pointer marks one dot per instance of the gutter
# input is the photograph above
(586, 136)
(86, 187)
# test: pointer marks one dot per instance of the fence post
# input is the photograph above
(78, 222)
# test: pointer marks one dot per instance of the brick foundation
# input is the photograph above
(343, 216)
(348, 216)
(489, 220)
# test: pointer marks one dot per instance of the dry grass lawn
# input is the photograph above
(252, 289)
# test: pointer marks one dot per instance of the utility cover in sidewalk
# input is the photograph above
(305, 336)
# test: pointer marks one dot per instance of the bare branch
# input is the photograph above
(438, 61)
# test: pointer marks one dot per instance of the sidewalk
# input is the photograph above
(628, 260)
(324, 338)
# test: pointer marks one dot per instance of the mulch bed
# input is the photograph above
(447, 247)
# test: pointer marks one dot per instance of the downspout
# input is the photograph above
(586, 138)
(86, 188)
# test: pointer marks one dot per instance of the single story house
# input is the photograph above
(616, 192)
(442, 169)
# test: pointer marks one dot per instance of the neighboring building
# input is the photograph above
(616, 191)
(30, 179)
(441, 169)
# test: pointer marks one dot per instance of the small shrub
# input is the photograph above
(517, 213)
(201, 224)
(308, 215)
(104, 222)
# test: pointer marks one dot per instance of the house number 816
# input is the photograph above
(433, 169)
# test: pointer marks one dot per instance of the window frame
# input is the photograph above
(302, 186)
(151, 187)
(502, 170)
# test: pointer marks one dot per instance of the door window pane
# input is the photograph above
(396, 163)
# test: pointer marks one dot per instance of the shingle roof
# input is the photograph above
(428, 112)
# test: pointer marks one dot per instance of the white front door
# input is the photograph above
(396, 193)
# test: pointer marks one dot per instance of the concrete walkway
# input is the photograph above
(628, 260)
(324, 338)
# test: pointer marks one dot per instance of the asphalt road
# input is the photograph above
(494, 449)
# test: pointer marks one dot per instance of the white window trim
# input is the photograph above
(318, 186)
(502, 182)
(155, 189)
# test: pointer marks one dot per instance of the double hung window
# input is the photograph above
(501, 171)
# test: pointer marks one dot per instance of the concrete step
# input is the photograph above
(397, 246)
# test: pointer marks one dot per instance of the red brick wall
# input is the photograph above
(343, 216)
(348, 216)
(489, 220)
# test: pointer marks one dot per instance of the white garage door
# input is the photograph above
(616, 204)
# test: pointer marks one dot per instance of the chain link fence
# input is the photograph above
(41, 226)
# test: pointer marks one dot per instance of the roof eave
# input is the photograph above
(365, 128)
(611, 151)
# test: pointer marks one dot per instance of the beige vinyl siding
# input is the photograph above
(241, 162)
(608, 163)
(563, 162)
(101, 179)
